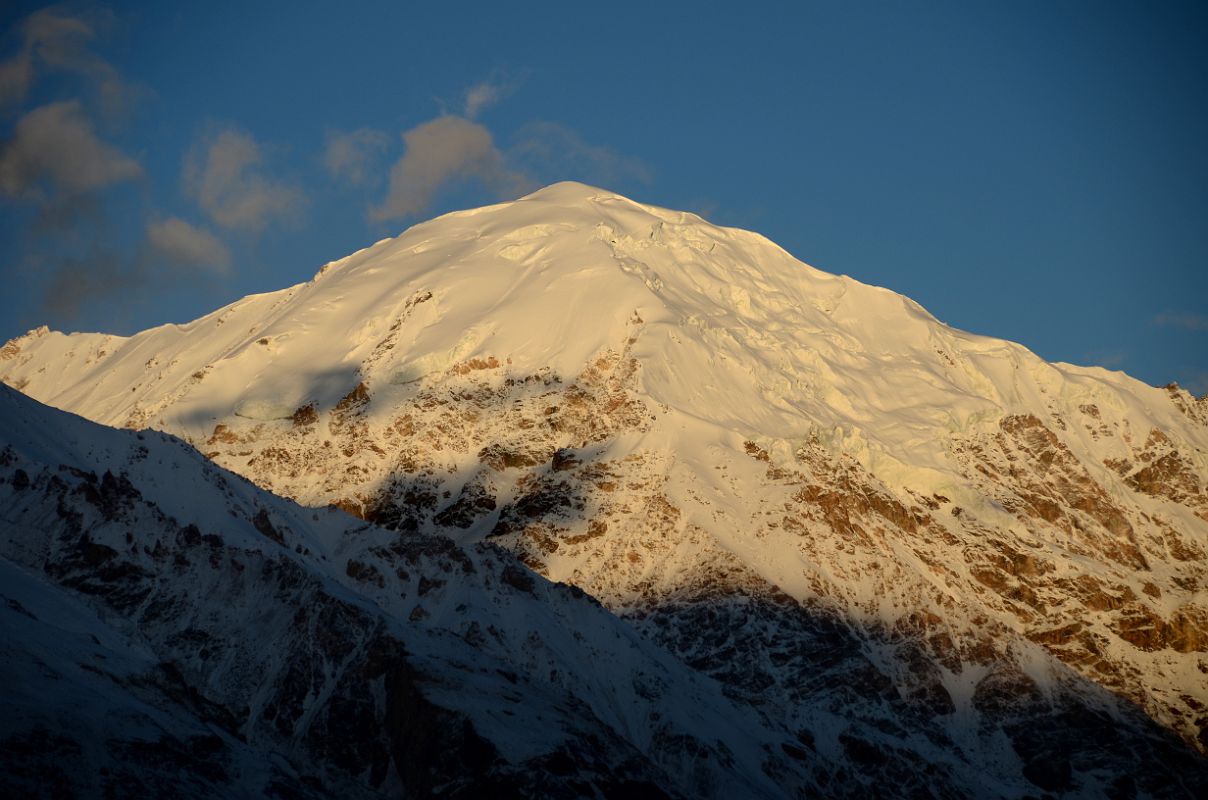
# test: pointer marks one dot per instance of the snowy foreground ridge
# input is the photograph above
(841, 548)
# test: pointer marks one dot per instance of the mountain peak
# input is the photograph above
(727, 327)
(570, 192)
(772, 470)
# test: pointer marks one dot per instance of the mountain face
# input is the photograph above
(171, 630)
(916, 560)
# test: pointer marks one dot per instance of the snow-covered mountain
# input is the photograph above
(937, 562)
(171, 630)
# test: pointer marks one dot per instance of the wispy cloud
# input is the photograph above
(352, 156)
(61, 174)
(553, 152)
(480, 96)
(16, 75)
(1191, 322)
(54, 163)
(456, 147)
(87, 278)
(440, 151)
(185, 245)
(224, 175)
(53, 40)
(93, 272)
(54, 151)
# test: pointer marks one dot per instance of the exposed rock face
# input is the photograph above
(931, 562)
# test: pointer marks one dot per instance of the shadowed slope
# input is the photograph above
(174, 629)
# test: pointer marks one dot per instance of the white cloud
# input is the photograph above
(438, 152)
(225, 179)
(352, 156)
(1191, 322)
(185, 245)
(56, 145)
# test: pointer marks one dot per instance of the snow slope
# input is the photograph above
(734, 332)
(168, 627)
(785, 477)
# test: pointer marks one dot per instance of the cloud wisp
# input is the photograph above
(187, 246)
(480, 96)
(553, 152)
(1187, 321)
(441, 151)
(62, 177)
(86, 279)
(224, 175)
(351, 157)
(456, 147)
(52, 40)
(54, 152)
(171, 251)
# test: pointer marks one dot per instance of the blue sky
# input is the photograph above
(1035, 171)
